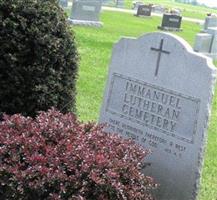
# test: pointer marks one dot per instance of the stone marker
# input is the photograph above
(203, 42)
(144, 10)
(86, 12)
(63, 3)
(206, 43)
(159, 93)
(210, 21)
(206, 40)
(171, 22)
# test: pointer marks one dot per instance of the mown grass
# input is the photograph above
(95, 48)
(188, 10)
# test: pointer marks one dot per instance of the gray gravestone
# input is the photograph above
(210, 21)
(144, 10)
(63, 3)
(171, 22)
(206, 41)
(159, 93)
(86, 12)
(203, 42)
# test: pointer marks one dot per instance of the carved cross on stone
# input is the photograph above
(160, 51)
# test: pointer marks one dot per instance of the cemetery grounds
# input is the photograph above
(188, 10)
(95, 47)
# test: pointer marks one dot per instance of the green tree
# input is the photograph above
(38, 57)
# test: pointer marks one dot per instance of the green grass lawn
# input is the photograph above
(188, 10)
(95, 48)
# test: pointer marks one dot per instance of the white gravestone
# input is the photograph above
(210, 21)
(203, 42)
(159, 93)
(206, 41)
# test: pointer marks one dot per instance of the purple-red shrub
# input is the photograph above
(57, 157)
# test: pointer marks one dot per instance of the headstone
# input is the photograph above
(171, 22)
(210, 21)
(86, 12)
(144, 10)
(213, 47)
(206, 41)
(203, 42)
(63, 3)
(159, 93)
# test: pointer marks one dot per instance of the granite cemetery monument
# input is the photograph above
(171, 22)
(86, 12)
(210, 21)
(144, 10)
(159, 93)
(206, 40)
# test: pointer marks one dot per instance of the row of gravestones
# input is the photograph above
(117, 3)
(86, 12)
(157, 8)
(154, 8)
(206, 41)
(159, 94)
(170, 21)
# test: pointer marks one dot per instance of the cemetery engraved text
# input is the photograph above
(173, 20)
(153, 107)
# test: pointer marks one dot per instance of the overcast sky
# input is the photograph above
(208, 2)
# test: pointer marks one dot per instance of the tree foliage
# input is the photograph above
(38, 57)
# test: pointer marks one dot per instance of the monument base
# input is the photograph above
(84, 22)
(164, 28)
